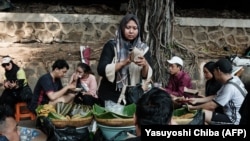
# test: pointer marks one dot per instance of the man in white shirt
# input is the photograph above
(230, 97)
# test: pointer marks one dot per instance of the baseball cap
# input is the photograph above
(224, 65)
(6, 60)
(175, 60)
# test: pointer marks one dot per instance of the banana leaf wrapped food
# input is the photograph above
(64, 114)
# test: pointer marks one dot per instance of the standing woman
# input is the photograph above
(85, 78)
(15, 84)
(124, 60)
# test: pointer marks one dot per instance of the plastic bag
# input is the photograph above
(114, 107)
(68, 133)
(199, 118)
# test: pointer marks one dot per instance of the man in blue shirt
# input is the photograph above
(49, 88)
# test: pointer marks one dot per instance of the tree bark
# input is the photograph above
(156, 18)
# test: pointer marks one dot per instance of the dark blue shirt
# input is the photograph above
(44, 85)
(3, 138)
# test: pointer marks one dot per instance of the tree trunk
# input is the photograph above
(156, 18)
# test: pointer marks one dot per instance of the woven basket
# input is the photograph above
(72, 122)
(115, 122)
(182, 121)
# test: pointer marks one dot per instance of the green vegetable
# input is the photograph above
(58, 107)
(54, 115)
(182, 111)
(39, 108)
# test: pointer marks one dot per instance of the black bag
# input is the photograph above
(68, 133)
(244, 111)
(133, 93)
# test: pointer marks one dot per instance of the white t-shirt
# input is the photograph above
(231, 99)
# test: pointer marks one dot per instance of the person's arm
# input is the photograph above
(147, 65)
(201, 100)
(73, 78)
(211, 105)
(21, 78)
(55, 95)
(48, 86)
(92, 86)
(106, 67)
(106, 58)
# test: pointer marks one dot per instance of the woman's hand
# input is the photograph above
(6, 84)
(87, 93)
(193, 100)
(10, 85)
(71, 86)
(141, 61)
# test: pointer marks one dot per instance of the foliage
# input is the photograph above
(156, 17)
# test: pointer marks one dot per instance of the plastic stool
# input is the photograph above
(20, 113)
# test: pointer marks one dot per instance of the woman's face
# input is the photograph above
(207, 74)
(7, 66)
(80, 72)
(131, 30)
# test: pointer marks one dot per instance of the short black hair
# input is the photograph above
(223, 65)
(5, 111)
(60, 64)
(85, 67)
(154, 108)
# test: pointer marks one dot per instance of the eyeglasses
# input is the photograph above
(5, 64)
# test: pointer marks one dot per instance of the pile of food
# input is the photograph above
(183, 115)
(64, 114)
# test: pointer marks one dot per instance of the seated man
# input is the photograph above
(49, 88)
(178, 78)
(8, 124)
(229, 96)
(153, 108)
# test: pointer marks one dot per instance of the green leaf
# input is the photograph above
(182, 111)
(38, 108)
(129, 110)
(101, 112)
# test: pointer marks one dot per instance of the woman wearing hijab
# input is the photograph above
(125, 60)
(16, 88)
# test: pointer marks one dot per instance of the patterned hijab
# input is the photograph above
(123, 46)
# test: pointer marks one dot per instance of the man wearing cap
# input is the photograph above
(178, 78)
(230, 96)
(15, 84)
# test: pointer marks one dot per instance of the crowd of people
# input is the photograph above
(125, 60)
